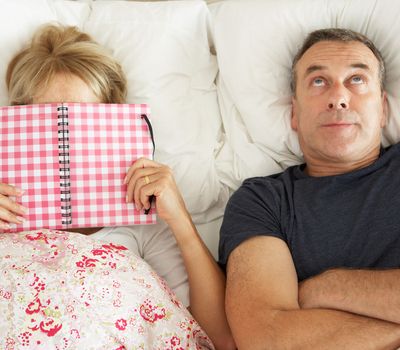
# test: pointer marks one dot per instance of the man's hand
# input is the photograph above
(372, 293)
(10, 211)
(311, 296)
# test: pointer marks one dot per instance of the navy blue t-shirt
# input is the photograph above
(349, 220)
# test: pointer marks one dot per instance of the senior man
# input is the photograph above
(313, 253)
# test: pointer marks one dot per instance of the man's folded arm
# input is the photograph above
(372, 293)
(263, 310)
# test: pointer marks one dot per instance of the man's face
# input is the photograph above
(339, 108)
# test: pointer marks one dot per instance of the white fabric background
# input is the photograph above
(218, 120)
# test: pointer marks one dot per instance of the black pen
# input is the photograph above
(147, 211)
(144, 116)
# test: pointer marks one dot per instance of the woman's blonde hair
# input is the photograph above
(58, 49)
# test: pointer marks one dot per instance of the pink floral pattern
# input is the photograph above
(61, 290)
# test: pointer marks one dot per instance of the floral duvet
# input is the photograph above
(61, 290)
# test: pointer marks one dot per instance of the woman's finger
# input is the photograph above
(12, 206)
(142, 186)
(7, 216)
(138, 177)
(4, 225)
(10, 190)
(140, 164)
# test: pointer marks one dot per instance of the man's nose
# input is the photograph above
(338, 98)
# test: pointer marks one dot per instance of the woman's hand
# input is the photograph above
(10, 211)
(147, 178)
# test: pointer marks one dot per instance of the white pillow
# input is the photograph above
(20, 19)
(255, 42)
(164, 50)
(73, 13)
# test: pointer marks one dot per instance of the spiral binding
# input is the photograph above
(63, 160)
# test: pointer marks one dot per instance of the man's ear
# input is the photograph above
(385, 109)
(294, 120)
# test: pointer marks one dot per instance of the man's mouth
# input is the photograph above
(337, 125)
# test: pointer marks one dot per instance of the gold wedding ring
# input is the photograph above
(146, 180)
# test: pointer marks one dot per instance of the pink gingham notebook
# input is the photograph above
(71, 159)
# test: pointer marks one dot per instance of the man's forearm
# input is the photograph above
(370, 293)
(315, 329)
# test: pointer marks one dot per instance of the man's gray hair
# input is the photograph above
(336, 34)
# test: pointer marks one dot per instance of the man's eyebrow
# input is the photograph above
(360, 65)
(316, 67)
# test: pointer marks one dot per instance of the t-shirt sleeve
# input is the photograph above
(253, 210)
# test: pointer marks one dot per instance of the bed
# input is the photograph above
(216, 76)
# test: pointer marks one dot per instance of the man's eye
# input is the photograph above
(356, 79)
(318, 82)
